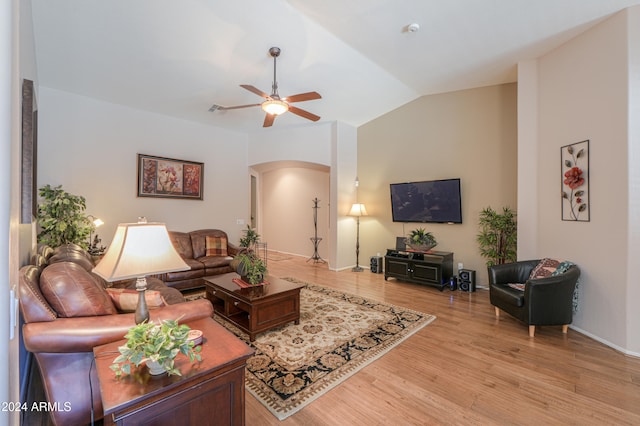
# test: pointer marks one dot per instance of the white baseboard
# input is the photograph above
(605, 342)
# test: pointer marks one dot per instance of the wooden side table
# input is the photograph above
(209, 392)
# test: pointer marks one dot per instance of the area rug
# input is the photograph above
(338, 335)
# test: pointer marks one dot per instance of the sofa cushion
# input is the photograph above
(126, 300)
(198, 240)
(215, 261)
(545, 268)
(508, 295)
(182, 243)
(216, 246)
(73, 292)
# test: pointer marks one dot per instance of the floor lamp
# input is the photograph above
(358, 210)
(137, 250)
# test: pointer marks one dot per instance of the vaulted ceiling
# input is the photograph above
(178, 58)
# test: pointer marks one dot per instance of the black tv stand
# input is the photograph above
(433, 268)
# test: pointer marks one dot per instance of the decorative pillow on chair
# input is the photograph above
(545, 268)
(126, 300)
(216, 246)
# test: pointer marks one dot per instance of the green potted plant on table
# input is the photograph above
(421, 240)
(250, 267)
(156, 344)
(61, 218)
(498, 236)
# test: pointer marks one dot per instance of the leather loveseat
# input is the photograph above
(537, 292)
(206, 251)
(67, 312)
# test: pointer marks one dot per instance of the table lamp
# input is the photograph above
(358, 210)
(137, 250)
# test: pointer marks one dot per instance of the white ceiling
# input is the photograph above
(179, 57)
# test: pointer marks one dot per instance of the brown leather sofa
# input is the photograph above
(192, 247)
(67, 313)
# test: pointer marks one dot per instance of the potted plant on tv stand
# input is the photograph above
(421, 240)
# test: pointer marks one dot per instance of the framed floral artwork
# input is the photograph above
(169, 178)
(575, 181)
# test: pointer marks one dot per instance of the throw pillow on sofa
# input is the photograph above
(126, 300)
(545, 268)
(73, 292)
(216, 246)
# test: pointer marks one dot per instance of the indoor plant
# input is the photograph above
(61, 218)
(159, 343)
(251, 237)
(421, 240)
(250, 267)
(498, 236)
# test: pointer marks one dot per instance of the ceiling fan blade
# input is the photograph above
(222, 108)
(268, 120)
(309, 96)
(303, 113)
(254, 90)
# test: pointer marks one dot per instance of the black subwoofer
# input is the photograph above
(467, 280)
(376, 264)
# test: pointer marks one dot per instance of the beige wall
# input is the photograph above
(584, 93)
(469, 134)
(287, 214)
(90, 147)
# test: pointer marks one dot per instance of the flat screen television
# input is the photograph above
(433, 201)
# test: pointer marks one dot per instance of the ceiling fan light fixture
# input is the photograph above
(275, 106)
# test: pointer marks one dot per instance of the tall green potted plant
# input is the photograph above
(498, 236)
(250, 238)
(62, 219)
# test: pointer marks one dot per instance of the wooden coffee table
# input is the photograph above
(255, 309)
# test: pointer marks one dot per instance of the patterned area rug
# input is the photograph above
(338, 335)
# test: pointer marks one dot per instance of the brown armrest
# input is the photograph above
(82, 334)
(233, 250)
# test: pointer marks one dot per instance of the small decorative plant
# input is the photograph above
(160, 343)
(251, 237)
(498, 237)
(420, 239)
(251, 268)
(61, 218)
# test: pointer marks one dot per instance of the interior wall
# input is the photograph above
(328, 144)
(584, 94)
(287, 199)
(633, 287)
(89, 147)
(468, 134)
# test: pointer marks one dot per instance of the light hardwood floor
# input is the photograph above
(467, 367)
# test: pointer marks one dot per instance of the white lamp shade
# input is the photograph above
(139, 249)
(358, 210)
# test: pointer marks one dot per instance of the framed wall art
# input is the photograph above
(29, 190)
(169, 178)
(575, 181)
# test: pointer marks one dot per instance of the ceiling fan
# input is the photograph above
(274, 105)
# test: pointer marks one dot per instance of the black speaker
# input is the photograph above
(467, 280)
(376, 264)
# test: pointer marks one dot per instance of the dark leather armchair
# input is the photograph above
(63, 344)
(544, 301)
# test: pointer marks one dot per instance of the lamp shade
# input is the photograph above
(139, 249)
(358, 210)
